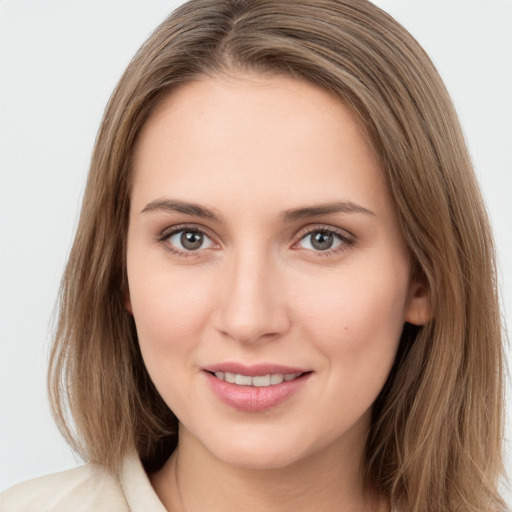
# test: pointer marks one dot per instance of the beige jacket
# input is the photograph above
(88, 488)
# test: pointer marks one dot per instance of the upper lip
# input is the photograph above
(253, 370)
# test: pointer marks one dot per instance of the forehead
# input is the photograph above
(272, 137)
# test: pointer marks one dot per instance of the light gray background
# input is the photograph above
(59, 61)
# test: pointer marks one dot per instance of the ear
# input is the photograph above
(419, 309)
(128, 303)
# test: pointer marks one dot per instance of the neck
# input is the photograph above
(194, 480)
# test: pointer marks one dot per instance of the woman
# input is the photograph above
(276, 278)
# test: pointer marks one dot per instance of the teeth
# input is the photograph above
(243, 380)
(259, 381)
(277, 378)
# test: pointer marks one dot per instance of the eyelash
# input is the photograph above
(346, 239)
(164, 237)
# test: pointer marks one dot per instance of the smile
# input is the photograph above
(255, 388)
(258, 381)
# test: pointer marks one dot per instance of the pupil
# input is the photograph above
(322, 240)
(191, 240)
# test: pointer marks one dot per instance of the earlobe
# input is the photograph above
(128, 303)
(419, 309)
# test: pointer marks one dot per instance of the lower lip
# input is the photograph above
(253, 398)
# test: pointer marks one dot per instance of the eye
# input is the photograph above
(188, 240)
(323, 240)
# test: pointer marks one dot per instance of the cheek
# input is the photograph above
(170, 309)
(355, 325)
(358, 316)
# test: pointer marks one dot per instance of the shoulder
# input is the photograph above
(84, 489)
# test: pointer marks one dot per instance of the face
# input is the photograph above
(268, 278)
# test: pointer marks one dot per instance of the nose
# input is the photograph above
(252, 305)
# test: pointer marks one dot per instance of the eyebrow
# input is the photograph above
(295, 214)
(173, 205)
(290, 215)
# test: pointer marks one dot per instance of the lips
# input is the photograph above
(255, 388)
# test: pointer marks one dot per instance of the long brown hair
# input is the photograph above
(435, 439)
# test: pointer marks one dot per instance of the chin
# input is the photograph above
(262, 451)
(262, 459)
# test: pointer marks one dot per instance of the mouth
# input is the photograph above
(255, 388)
(259, 381)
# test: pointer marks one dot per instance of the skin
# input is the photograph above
(249, 149)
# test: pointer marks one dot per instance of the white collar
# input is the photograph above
(139, 493)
